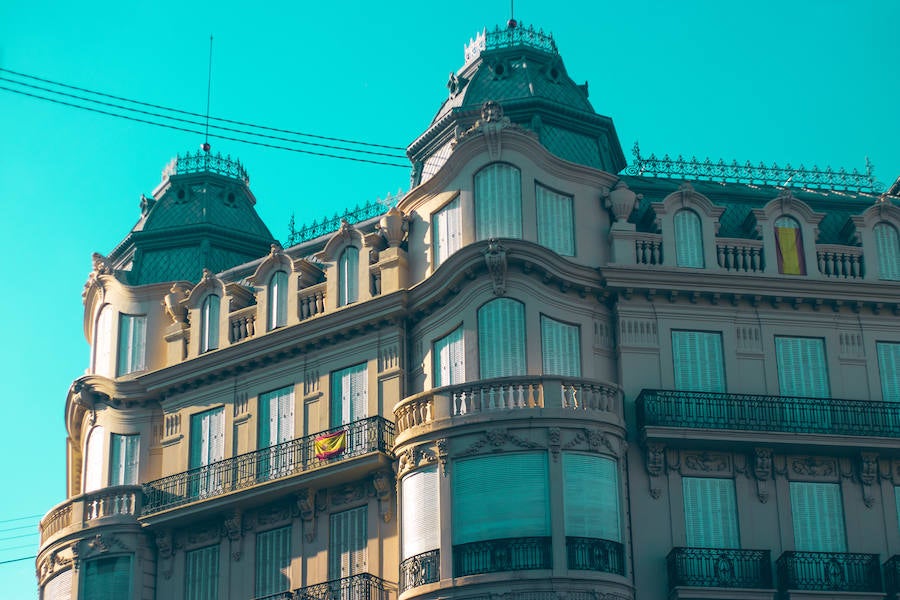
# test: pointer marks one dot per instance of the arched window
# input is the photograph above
(789, 247)
(209, 323)
(688, 239)
(498, 202)
(277, 300)
(103, 341)
(887, 245)
(348, 276)
(95, 448)
(501, 338)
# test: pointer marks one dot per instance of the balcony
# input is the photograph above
(100, 507)
(362, 586)
(420, 569)
(510, 554)
(366, 436)
(672, 415)
(592, 554)
(892, 575)
(829, 571)
(719, 568)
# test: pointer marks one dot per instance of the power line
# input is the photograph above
(6, 562)
(5, 529)
(20, 518)
(217, 136)
(21, 535)
(193, 114)
(19, 547)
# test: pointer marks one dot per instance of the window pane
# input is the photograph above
(209, 324)
(710, 513)
(277, 316)
(697, 360)
(688, 239)
(591, 497)
(818, 515)
(446, 235)
(123, 459)
(501, 338)
(498, 202)
(348, 276)
(449, 359)
(421, 512)
(106, 578)
(273, 561)
(802, 370)
(103, 342)
(889, 370)
(348, 549)
(560, 348)
(59, 588)
(132, 334)
(556, 228)
(887, 245)
(201, 574)
(349, 395)
(93, 464)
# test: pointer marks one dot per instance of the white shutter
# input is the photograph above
(498, 202)
(889, 370)
(420, 512)
(697, 361)
(560, 348)
(818, 516)
(555, 221)
(349, 394)
(132, 352)
(348, 276)
(123, 459)
(446, 235)
(273, 561)
(710, 513)
(106, 578)
(103, 342)
(887, 246)
(209, 324)
(449, 359)
(359, 407)
(348, 547)
(591, 493)
(802, 370)
(285, 414)
(201, 577)
(500, 496)
(217, 435)
(501, 338)
(277, 313)
(59, 588)
(93, 468)
(688, 239)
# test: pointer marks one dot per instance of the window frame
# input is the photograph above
(568, 328)
(131, 348)
(689, 253)
(452, 368)
(888, 257)
(441, 251)
(543, 228)
(488, 222)
(210, 311)
(348, 276)
(520, 353)
(798, 241)
(276, 297)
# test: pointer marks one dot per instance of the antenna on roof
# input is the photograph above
(206, 145)
(512, 23)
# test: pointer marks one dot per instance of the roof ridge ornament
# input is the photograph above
(515, 34)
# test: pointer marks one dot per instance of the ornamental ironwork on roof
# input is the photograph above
(204, 162)
(787, 176)
(518, 35)
(353, 216)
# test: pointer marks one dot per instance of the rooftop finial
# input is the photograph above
(512, 23)
(206, 145)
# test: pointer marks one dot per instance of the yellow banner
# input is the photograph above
(790, 253)
(330, 445)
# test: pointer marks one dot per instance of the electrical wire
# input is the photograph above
(19, 547)
(23, 535)
(20, 559)
(193, 114)
(20, 518)
(216, 136)
(4, 530)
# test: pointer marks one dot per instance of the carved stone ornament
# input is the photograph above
(383, 484)
(495, 259)
(393, 226)
(811, 467)
(497, 439)
(232, 528)
(347, 494)
(553, 437)
(706, 462)
(620, 200)
(655, 465)
(442, 452)
(868, 476)
(762, 470)
(306, 506)
(174, 305)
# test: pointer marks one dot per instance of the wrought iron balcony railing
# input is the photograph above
(374, 434)
(594, 554)
(719, 567)
(362, 586)
(892, 575)
(509, 554)
(713, 410)
(420, 569)
(833, 571)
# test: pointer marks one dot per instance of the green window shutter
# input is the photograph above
(59, 588)
(889, 369)
(446, 235)
(688, 239)
(201, 574)
(106, 578)
(209, 323)
(802, 369)
(273, 561)
(560, 348)
(421, 522)
(698, 362)
(710, 513)
(348, 276)
(818, 515)
(591, 496)
(501, 338)
(449, 359)
(93, 466)
(555, 221)
(276, 417)
(123, 459)
(498, 202)
(887, 246)
(348, 543)
(501, 496)
(207, 437)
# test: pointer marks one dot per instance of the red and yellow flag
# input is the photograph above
(790, 252)
(330, 445)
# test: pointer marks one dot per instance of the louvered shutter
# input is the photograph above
(802, 370)
(359, 383)
(93, 467)
(217, 435)
(887, 245)
(710, 513)
(449, 359)
(555, 221)
(889, 369)
(688, 239)
(59, 588)
(591, 494)
(421, 523)
(201, 574)
(897, 501)
(123, 459)
(268, 425)
(103, 342)
(277, 313)
(285, 414)
(501, 496)
(501, 338)
(498, 202)
(348, 548)
(818, 515)
(273, 561)
(446, 234)
(132, 334)
(348, 276)
(560, 348)
(209, 335)
(697, 361)
(106, 578)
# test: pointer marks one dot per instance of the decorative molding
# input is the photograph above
(271, 514)
(748, 338)
(383, 482)
(495, 259)
(868, 476)
(347, 494)
(851, 344)
(813, 468)
(241, 404)
(638, 332)
(232, 528)
(656, 462)
(498, 438)
(388, 358)
(306, 507)
(553, 440)
(603, 335)
(706, 463)
(762, 470)
(443, 452)
(310, 382)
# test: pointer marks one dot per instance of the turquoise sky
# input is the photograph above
(813, 82)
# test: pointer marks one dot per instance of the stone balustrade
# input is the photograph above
(92, 508)
(311, 301)
(648, 249)
(840, 262)
(740, 255)
(242, 324)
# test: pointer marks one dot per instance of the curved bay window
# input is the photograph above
(420, 528)
(277, 316)
(789, 247)
(593, 527)
(348, 276)
(501, 338)
(209, 323)
(688, 239)
(498, 202)
(887, 245)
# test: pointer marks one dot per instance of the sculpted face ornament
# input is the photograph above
(491, 111)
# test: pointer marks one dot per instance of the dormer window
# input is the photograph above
(498, 202)
(789, 247)
(209, 323)
(688, 239)
(277, 316)
(887, 245)
(348, 276)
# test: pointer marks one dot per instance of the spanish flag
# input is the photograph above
(330, 445)
(790, 251)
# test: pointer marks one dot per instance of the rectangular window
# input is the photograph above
(889, 369)
(802, 369)
(132, 344)
(450, 359)
(446, 232)
(501, 338)
(103, 342)
(560, 348)
(591, 497)
(556, 225)
(123, 459)
(498, 202)
(710, 513)
(276, 426)
(273, 561)
(688, 239)
(201, 574)
(207, 446)
(349, 395)
(421, 526)
(106, 578)
(818, 515)
(697, 361)
(349, 541)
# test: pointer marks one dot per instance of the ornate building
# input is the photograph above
(540, 375)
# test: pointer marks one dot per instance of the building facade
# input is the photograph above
(539, 375)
